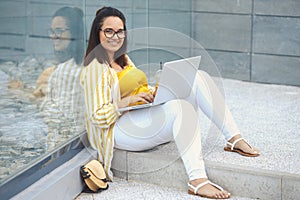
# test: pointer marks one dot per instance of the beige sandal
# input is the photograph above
(240, 151)
(195, 189)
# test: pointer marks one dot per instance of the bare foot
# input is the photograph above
(208, 190)
(242, 147)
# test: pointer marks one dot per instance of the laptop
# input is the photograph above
(176, 81)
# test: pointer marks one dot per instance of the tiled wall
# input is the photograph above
(256, 40)
(24, 24)
(253, 40)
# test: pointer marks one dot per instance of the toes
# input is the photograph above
(226, 194)
(222, 195)
(254, 151)
(244, 146)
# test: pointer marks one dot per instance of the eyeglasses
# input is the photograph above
(110, 33)
(57, 31)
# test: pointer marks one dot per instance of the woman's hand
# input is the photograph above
(140, 97)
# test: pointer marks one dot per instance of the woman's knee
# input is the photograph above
(178, 106)
(202, 75)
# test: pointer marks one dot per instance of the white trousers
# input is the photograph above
(177, 120)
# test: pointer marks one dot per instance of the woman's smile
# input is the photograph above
(114, 42)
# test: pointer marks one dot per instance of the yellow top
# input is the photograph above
(132, 81)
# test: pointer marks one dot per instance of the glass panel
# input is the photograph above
(42, 46)
(41, 55)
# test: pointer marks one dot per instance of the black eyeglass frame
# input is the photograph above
(57, 32)
(115, 33)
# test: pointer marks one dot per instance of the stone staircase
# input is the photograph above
(269, 117)
(162, 167)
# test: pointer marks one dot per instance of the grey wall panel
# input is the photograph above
(170, 5)
(12, 55)
(139, 57)
(228, 6)
(38, 9)
(60, 2)
(276, 69)
(12, 42)
(38, 26)
(116, 3)
(277, 35)
(277, 7)
(178, 21)
(40, 14)
(223, 32)
(231, 65)
(15, 25)
(39, 46)
(137, 19)
(15, 8)
(165, 55)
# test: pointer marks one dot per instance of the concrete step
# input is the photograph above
(268, 116)
(133, 190)
(167, 170)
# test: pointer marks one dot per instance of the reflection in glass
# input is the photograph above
(41, 99)
(60, 84)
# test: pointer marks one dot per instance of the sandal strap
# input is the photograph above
(217, 186)
(232, 145)
(204, 183)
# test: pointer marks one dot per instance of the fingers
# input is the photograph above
(145, 97)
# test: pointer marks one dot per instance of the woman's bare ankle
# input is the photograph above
(234, 138)
(196, 182)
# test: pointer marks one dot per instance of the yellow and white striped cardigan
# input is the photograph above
(101, 88)
(62, 106)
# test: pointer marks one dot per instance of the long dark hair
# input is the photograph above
(95, 48)
(74, 20)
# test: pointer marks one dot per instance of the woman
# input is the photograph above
(106, 79)
(60, 84)
(66, 33)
